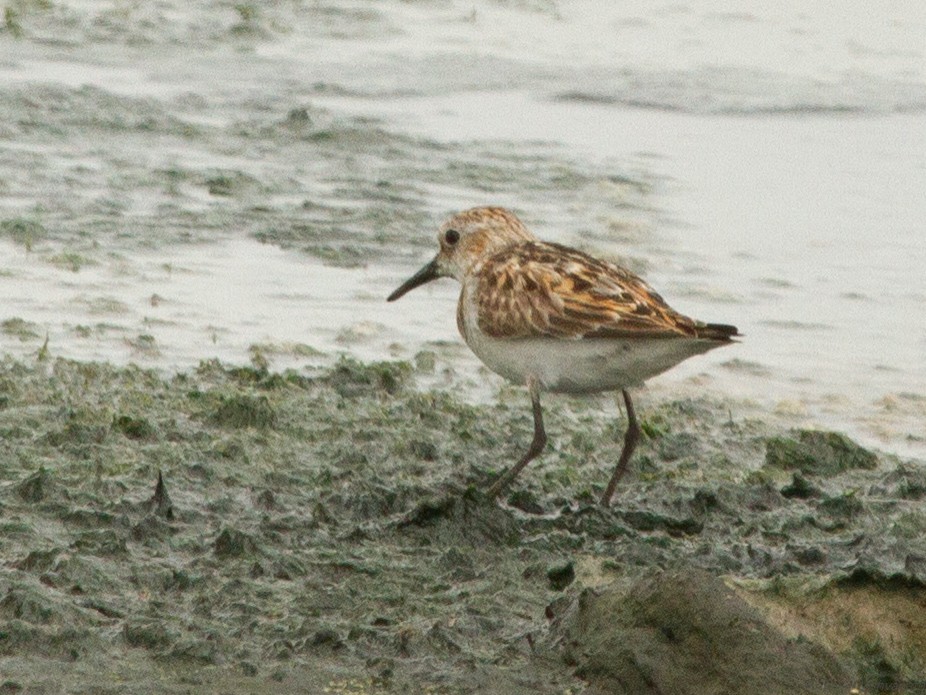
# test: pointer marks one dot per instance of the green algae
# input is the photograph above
(235, 410)
(20, 328)
(817, 452)
(337, 514)
(352, 378)
(138, 428)
(71, 260)
(23, 231)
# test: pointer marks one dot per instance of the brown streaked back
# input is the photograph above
(537, 289)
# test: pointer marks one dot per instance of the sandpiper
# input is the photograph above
(556, 319)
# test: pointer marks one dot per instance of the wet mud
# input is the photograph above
(240, 530)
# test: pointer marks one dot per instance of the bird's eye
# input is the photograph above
(451, 236)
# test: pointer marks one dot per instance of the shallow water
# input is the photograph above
(763, 168)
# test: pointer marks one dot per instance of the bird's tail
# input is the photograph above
(718, 331)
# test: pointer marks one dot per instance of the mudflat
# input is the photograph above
(240, 530)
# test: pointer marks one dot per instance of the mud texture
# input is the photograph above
(238, 530)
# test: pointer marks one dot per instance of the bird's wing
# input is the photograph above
(547, 290)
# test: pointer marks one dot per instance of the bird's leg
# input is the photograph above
(537, 444)
(630, 443)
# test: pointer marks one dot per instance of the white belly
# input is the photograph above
(584, 366)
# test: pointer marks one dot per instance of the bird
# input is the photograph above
(558, 320)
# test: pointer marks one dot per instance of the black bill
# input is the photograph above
(426, 274)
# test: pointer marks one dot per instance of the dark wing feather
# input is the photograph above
(546, 290)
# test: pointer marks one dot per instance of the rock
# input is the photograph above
(685, 632)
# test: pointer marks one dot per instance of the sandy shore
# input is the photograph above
(324, 532)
